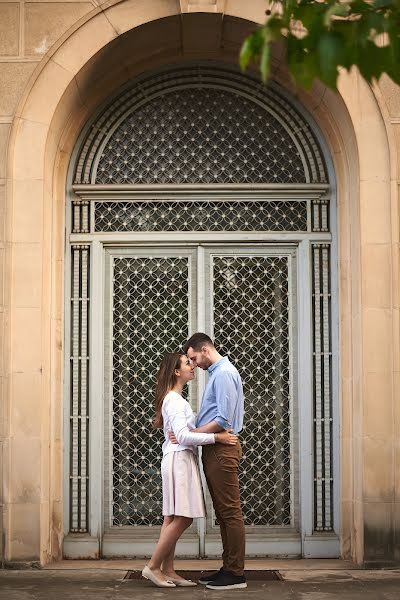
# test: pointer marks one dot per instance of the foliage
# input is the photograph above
(320, 36)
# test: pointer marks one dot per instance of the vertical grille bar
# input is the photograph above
(317, 391)
(80, 216)
(323, 482)
(79, 388)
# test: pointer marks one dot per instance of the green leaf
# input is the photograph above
(328, 40)
(264, 62)
(336, 10)
(383, 3)
(330, 55)
(251, 48)
(246, 53)
(302, 63)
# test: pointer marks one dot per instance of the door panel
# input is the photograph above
(149, 314)
(251, 305)
(244, 296)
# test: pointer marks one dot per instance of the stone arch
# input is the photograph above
(43, 135)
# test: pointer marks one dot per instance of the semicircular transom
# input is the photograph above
(203, 124)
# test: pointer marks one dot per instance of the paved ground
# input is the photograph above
(109, 583)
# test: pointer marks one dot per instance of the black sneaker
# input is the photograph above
(210, 578)
(227, 581)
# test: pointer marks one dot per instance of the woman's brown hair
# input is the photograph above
(166, 380)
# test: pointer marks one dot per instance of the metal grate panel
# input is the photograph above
(207, 124)
(150, 318)
(201, 135)
(252, 327)
(206, 215)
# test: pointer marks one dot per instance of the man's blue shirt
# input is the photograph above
(223, 399)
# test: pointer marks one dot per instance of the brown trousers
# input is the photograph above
(220, 464)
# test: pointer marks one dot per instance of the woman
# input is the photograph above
(182, 492)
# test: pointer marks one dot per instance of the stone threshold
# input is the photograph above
(261, 564)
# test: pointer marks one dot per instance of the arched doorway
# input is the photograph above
(199, 200)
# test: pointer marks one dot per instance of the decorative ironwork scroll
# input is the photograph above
(79, 404)
(323, 475)
(252, 327)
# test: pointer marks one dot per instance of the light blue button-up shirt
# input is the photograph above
(223, 399)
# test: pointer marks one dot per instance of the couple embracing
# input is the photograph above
(219, 421)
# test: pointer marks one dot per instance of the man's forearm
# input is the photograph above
(211, 427)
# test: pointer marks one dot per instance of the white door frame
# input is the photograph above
(313, 543)
(307, 544)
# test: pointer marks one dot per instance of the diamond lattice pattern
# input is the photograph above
(201, 135)
(251, 326)
(150, 318)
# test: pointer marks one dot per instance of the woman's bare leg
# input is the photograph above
(167, 566)
(170, 534)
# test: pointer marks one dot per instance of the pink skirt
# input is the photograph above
(182, 491)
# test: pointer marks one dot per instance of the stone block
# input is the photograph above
(127, 15)
(376, 261)
(195, 6)
(347, 461)
(28, 211)
(375, 213)
(26, 392)
(377, 340)
(29, 150)
(45, 23)
(4, 137)
(378, 480)
(347, 526)
(396, 130)
(84, 43)
(378, 532)
(396, 522)
(24, 541)
(25, 460)
(26, 341)
(13, 78)
(51, 85)
(27, 275)
(378, 405)
(391, 94)
(251, 11)
(9, 28)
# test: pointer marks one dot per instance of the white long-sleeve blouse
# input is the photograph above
(179, 418)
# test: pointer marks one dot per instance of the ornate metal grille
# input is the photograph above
(205, 215)
(201, 136)
(203, 125)
(150, 318)
(251, 326)
(323, 480)
(79, 372)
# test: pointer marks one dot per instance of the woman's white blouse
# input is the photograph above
(179, 418)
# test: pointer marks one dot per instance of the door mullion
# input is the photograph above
(200, 374)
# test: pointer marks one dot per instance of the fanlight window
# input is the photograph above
(204, 125)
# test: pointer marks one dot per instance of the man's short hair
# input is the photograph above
(197, 341)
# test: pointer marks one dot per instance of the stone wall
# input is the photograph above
(55, 66)
(27, 31)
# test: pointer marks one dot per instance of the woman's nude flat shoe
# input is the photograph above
(183, 582)
(148, 574)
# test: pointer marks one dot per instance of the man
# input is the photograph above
(222, 407)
